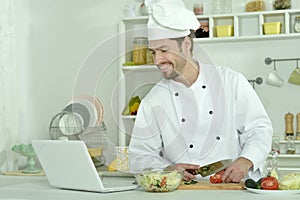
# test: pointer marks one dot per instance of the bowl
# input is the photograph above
(159, 181)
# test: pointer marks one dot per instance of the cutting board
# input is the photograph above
(206, 185)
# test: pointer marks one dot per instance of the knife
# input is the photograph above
(210, 168)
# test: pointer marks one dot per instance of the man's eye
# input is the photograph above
(163, 50)
(152, 52)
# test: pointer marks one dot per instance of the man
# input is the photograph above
(198, 113)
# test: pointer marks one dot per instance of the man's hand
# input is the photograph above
(237, 170)
(183, 166)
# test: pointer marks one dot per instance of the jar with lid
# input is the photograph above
(297, 24)
(139, 53)
(255, 5)
(282, 4)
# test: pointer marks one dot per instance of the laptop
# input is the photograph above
(68, 165)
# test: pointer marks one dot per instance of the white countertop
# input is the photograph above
(37, 188)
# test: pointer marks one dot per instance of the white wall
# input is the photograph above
(55, 37)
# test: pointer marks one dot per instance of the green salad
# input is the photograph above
(159, 181)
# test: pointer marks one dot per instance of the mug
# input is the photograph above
(295, 77)
(274, 79)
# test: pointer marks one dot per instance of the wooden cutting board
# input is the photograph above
(206, 185)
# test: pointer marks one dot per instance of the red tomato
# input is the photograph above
(163, 181)
(216, 178)
(269, 183)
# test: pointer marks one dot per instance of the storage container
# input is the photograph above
(272, 28)
(139, 53)
(224, 31)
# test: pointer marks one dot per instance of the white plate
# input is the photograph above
(273, 192)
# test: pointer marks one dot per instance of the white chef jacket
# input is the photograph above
(219, 117)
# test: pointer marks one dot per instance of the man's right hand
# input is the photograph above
(183, 166)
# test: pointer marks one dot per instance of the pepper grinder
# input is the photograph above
(289, 130)
(298, 127)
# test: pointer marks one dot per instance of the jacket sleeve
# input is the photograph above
(146, 144)
(253, 124)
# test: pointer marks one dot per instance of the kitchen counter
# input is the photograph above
(37, 188)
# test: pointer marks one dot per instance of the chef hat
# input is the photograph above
(169, 19)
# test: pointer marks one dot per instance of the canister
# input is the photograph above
(139, 53)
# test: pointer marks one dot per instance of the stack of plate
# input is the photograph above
(78, 116)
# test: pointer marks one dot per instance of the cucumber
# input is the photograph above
(250, 183)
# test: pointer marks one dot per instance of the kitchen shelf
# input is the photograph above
(128, 116)
(139, 68)
(248, 27)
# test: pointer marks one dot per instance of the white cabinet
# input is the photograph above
(288, 163)
(137, 80)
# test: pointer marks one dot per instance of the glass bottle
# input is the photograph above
(297, 24)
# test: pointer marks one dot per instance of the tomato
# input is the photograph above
(269, 183)
(216, 179)
(163, 181)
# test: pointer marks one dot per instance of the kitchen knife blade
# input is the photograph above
(211, 168)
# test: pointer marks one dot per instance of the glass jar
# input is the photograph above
(139, 53)
(198, 8)
(221, 6)
(275, 144)
(255, 5)
(282, 4)
(297, 24)
(290, 145)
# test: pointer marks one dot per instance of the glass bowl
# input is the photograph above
(159, 181)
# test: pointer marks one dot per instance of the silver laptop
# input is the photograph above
(68, 165)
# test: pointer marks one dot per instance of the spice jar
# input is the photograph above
(139, 53)
(297, 24)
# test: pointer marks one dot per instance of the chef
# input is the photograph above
(198, 113)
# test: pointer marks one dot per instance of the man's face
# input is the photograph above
(168, 57)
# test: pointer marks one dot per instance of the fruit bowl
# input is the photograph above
(159, 181)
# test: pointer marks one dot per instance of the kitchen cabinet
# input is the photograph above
(288, 163)
(247, 27)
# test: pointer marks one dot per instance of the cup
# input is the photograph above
(122, 158)
(274, 79)
(295, 77)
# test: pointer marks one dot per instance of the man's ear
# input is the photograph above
(186, 44)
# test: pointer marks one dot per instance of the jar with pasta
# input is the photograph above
(255, 5)
(139, 53)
